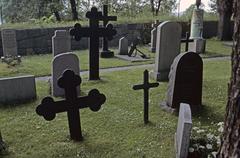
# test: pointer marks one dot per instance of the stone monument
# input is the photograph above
(199, 43)
(61, 42)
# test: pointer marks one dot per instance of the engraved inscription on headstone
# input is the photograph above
(185, 82)
(9, 42)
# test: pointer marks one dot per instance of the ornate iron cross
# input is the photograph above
(94, 32)
(145, 86)
(49, 108)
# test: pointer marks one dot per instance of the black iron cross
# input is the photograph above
(94, 32)
(187, 40)
(105, 52)
(49, 108)
(145, 86)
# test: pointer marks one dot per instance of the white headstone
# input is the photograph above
(9, 42)
(168, 46)
(184, 128)
(153, 39)
(61, 42)
(197, 23)
(198, 46)
(60, 63)
(123, 46)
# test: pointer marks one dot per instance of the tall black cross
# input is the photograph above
(94, 32)
(187, 40)
(69, 81)
(145, 86)
(105, 52)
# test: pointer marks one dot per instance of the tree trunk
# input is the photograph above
(230, 145)
(56, 13)
(152, 6)
(224, 23)
(74, 10)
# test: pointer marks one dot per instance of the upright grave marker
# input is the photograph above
(106, 53)
(94, 32)
(9, 43)
(123, 46)
(145, 86)
(167, 48)
(61, 42)
(60, 63)
(185, 82)
(49, 108)
(187, 40)
(154, 36)
(183, 134)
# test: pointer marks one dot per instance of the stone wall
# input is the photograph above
(38, 41)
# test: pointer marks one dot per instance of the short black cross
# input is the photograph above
(105, 52)
(187, 40)
(94, 32)
(146, 86)
(69, 81)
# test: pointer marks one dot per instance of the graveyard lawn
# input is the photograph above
(117, 130)
(40, 65)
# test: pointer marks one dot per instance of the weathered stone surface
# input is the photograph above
(198, 46)
(17, 89)
(60, 63)
(61, 42)
(197, 24)
(168, 46)
(185, 81)
(183, 134)
(153, 40)
(9, 42)
(123, 46)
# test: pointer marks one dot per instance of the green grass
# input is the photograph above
(117, 130)
(40, 65)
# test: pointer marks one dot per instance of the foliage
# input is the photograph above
(213, 6)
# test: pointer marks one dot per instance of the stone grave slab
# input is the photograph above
(17, 89)
(123, 46)
(184, 127)
(9, 42)
(168, 46)
(61, 42)
(185, 82)
(198, 46)
(153, 40)
(60, 63)
(132, 58)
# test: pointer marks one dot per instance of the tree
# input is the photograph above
(155, 6)
(213, 5)
(230, 145)
(74, 10)
(224, 8)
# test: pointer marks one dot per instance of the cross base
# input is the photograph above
(107, 54)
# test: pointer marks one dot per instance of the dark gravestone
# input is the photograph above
(185, 82)
(145, 86)
(105, 52)
(94, 32)
(69, 81)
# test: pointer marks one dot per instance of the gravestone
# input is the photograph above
(17, 89)
(185, 82)
(198, 46)
(60, 63)
(184, 127)
(168, 46)
(69, 82)
(145, 86)
(61, 42)
(94, 32)
(123, 46)
(153, 40)
(9, 43)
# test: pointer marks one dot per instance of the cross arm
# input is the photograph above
(48, 107)
(187, 40)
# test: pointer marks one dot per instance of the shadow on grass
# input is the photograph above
(19, 104)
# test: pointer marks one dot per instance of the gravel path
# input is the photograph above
(46, 78)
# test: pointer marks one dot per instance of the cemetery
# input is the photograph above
(98, 88)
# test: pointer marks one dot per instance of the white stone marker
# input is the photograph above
(184, 128)
(168, 46)
(60, 63)
(9, 42)
(123, 46)
(61, 42)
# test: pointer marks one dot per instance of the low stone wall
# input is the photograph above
(38, 41)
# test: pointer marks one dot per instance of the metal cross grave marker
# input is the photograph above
(187, 40)
(145, 86)
(49, 108)
(94, 32)
(105, 52)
